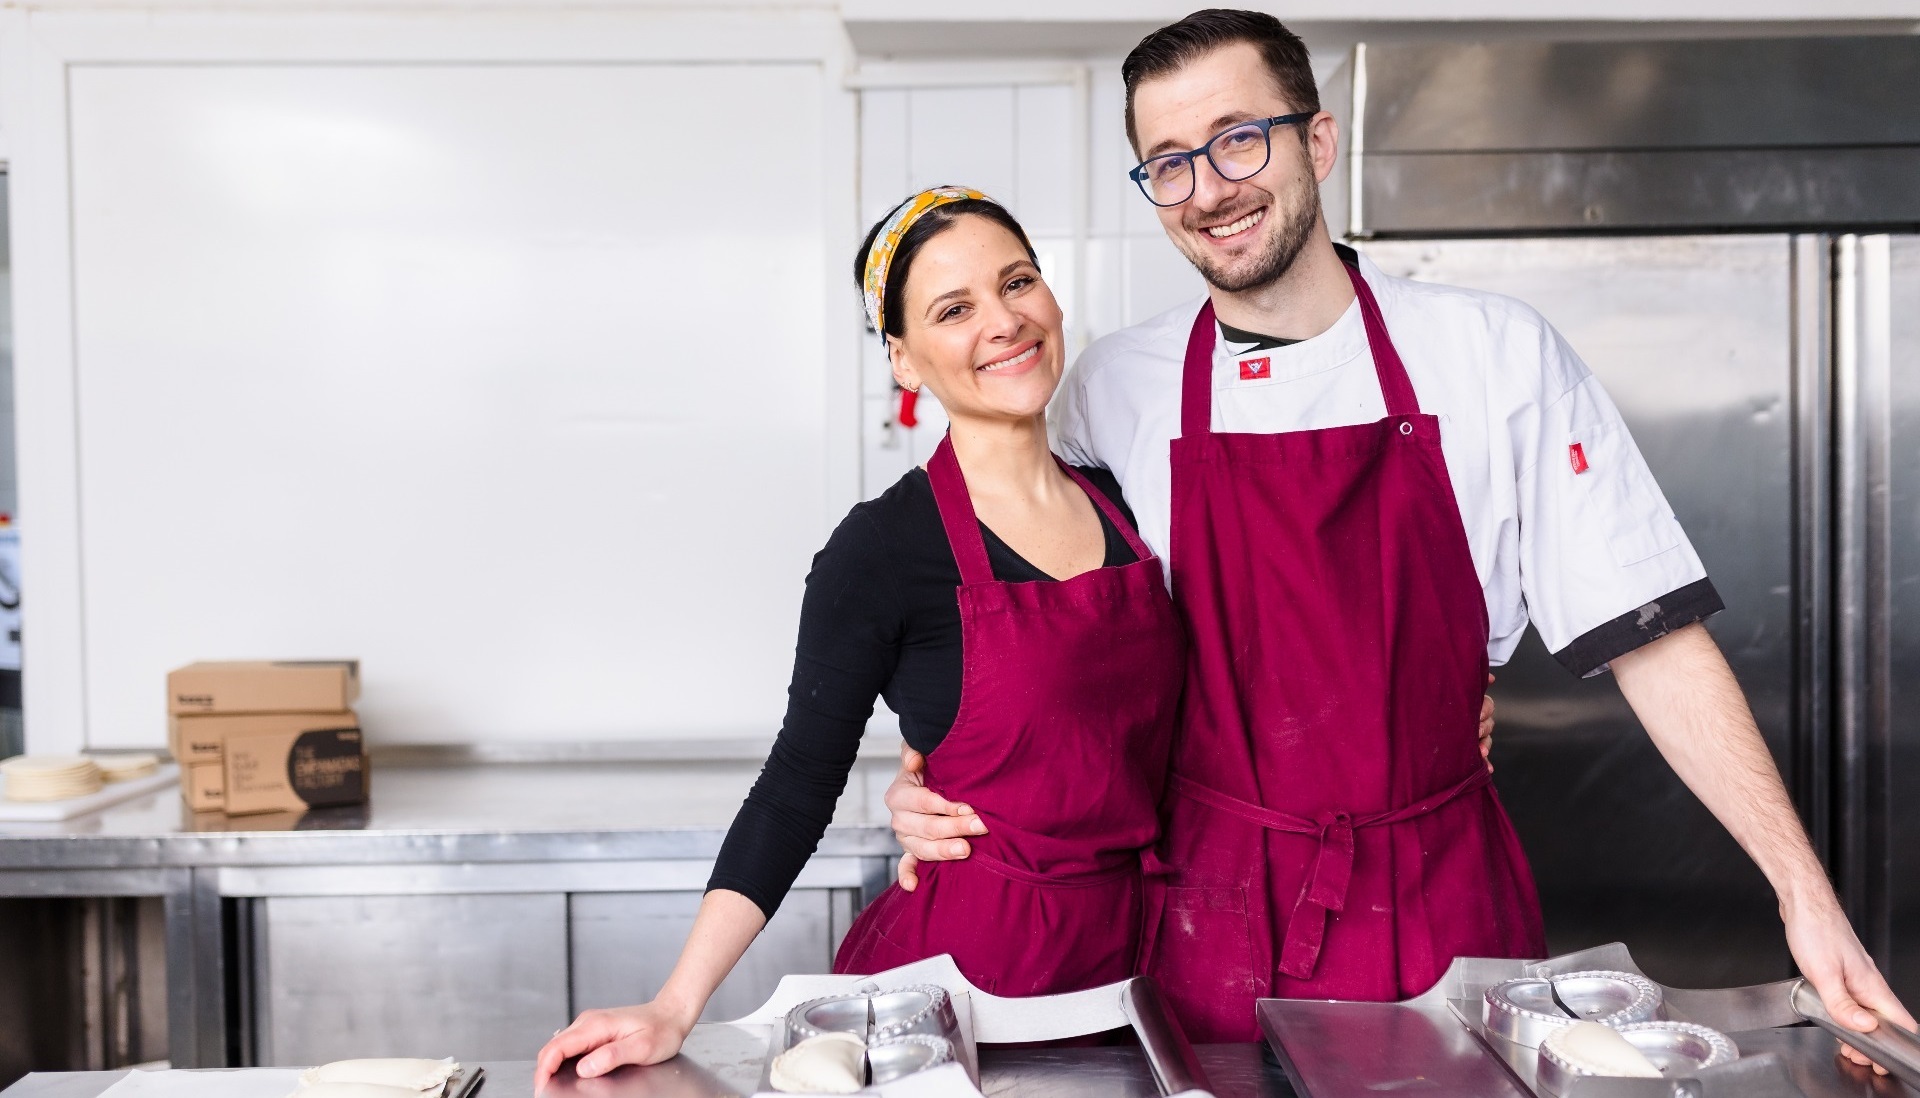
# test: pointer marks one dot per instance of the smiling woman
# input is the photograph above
(1003, 604)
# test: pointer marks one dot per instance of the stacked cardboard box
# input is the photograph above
(259, 736)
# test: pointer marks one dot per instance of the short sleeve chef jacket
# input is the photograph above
(1566, 525)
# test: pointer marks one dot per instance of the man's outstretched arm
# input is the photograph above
(1687, 698)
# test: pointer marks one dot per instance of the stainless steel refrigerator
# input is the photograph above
(1725, 230)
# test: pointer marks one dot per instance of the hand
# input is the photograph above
(928, 825)
(1837, 965)
(644, 1034)
(1486, 727)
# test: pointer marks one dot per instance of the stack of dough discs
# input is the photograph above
(50, 777)
(379, 1078)
(127, 765)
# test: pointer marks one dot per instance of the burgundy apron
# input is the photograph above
(1069, 693)
(1332, 831)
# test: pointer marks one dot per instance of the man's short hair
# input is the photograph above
(1176, 45)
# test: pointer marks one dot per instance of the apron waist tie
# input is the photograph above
(1332, 872)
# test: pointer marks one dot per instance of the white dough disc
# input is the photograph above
(126, 765)
(1600, 1050)
(405, 1074)
(831, 1063)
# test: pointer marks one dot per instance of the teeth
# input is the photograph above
(1015, 360)
(1239, 226)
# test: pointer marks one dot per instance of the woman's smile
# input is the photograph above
(1017, 361)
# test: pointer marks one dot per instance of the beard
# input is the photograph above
(1293, 215)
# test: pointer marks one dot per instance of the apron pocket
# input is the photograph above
(1206, 945)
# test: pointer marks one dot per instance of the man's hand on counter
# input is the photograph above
(607, 1039)
(929, 827)
(1832, 959)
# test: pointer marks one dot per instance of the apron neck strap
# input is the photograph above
(1196, 382)
(957, 515)
(963, 524)
(1395, 386)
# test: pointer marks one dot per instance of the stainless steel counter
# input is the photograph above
(532, 860)
(1236, 1071)
(499, 812)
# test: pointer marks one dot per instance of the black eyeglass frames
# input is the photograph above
(1237, 152)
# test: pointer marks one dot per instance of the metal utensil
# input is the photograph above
(1610, 998)
(468, 1083)
(1892, 1046)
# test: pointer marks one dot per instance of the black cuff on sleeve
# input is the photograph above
(1591, 652)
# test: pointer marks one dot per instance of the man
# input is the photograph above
(1346, 568)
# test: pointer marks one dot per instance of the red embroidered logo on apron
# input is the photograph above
(1256, 369)
(1577, 454)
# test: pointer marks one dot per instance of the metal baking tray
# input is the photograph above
(802, 1005)
(897, 1022)
(1439, 1043)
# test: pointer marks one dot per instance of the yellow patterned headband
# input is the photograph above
(887, 241)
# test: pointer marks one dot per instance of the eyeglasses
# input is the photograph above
(1236, 153)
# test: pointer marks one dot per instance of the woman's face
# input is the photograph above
(981, 330)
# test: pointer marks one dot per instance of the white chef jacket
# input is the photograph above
(1565, 523)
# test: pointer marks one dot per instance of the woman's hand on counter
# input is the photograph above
(607, 1039)
(651, 1032)
(928, 826)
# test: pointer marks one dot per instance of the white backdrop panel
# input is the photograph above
(507, 380)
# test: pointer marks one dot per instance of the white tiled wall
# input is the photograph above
(1016, 143)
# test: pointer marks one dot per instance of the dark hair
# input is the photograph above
(930, 224)
(1176, 45)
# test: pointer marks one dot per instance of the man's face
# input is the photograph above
(1243, 234)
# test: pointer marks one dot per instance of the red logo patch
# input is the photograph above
(1577, 454)
(1256, 369)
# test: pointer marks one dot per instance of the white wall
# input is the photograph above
(493, 353)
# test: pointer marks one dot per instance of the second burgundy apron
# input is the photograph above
(1332, 831)
(1069, 693)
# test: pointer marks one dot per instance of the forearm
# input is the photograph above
(726, 925)
(1687, 698)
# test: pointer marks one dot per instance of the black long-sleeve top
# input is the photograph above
(879, 620)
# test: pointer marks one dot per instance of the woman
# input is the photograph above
(1061, 652)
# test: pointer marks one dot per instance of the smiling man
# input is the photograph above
(1365, 488)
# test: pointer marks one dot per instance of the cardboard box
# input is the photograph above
(204, 787)
(294, 770)
(264, 686)
(201, 737)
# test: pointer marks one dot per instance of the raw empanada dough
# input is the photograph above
(832, 1063)
(414, 1075)
(352, 1090)
(1601, 1050)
